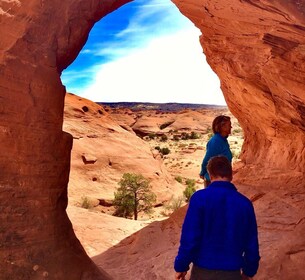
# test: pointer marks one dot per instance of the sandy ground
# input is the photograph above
(98, 230)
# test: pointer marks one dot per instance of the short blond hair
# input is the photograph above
(218, 122)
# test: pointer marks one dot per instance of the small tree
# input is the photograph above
(133, 196)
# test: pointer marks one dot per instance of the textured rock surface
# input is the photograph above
(147, 122)
(38, 40)
(149, 253)
(256, 47)
(103, 151)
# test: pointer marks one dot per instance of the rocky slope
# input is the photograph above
(103, 151)
(145, 250)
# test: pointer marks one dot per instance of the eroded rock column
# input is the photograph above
(38, 40)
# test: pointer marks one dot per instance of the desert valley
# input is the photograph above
(111, 140)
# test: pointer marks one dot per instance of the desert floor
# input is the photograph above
(93, 222)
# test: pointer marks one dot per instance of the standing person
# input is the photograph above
(217, 145)
(219, 234)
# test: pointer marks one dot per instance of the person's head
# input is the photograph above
(220, 169)
(222, 125)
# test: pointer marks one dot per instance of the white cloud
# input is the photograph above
(154, 18)
(170, 69)
(156, 58)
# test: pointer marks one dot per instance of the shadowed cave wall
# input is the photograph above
(257, 48)
(38, 40)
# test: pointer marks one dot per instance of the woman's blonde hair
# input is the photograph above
(218, 122)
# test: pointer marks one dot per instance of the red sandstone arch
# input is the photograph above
(257, 48)
(38, 40)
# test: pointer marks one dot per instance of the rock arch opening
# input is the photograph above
(152, 50)
(104, 156)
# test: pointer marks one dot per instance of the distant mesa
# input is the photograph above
(164, 107)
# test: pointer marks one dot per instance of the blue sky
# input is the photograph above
(146, 51)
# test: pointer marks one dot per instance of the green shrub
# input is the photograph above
(190, 182)
(152, 136)
(166, 124)
(185, 136)
(165, 151)
(172, 205)
(188, 192)
(179, 179)
(195, 135)
(164, 138)
(86, 203)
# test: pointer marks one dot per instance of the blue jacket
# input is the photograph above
(219, 231)
(217, 146)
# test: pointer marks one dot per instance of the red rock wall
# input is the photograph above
(257, 48)
(38, 40)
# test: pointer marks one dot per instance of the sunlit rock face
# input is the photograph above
(257, 48)
(38, 40)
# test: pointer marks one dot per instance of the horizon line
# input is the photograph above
(158, 103)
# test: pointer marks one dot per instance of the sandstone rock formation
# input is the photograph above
(38, 40)
(257, 50)
(103, 151)
(147, 122)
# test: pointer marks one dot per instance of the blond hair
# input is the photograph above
(218, 122)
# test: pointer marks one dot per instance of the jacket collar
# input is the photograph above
(223, 138)
(223, 184)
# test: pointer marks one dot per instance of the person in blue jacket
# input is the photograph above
(219, 234)
(217, 145)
